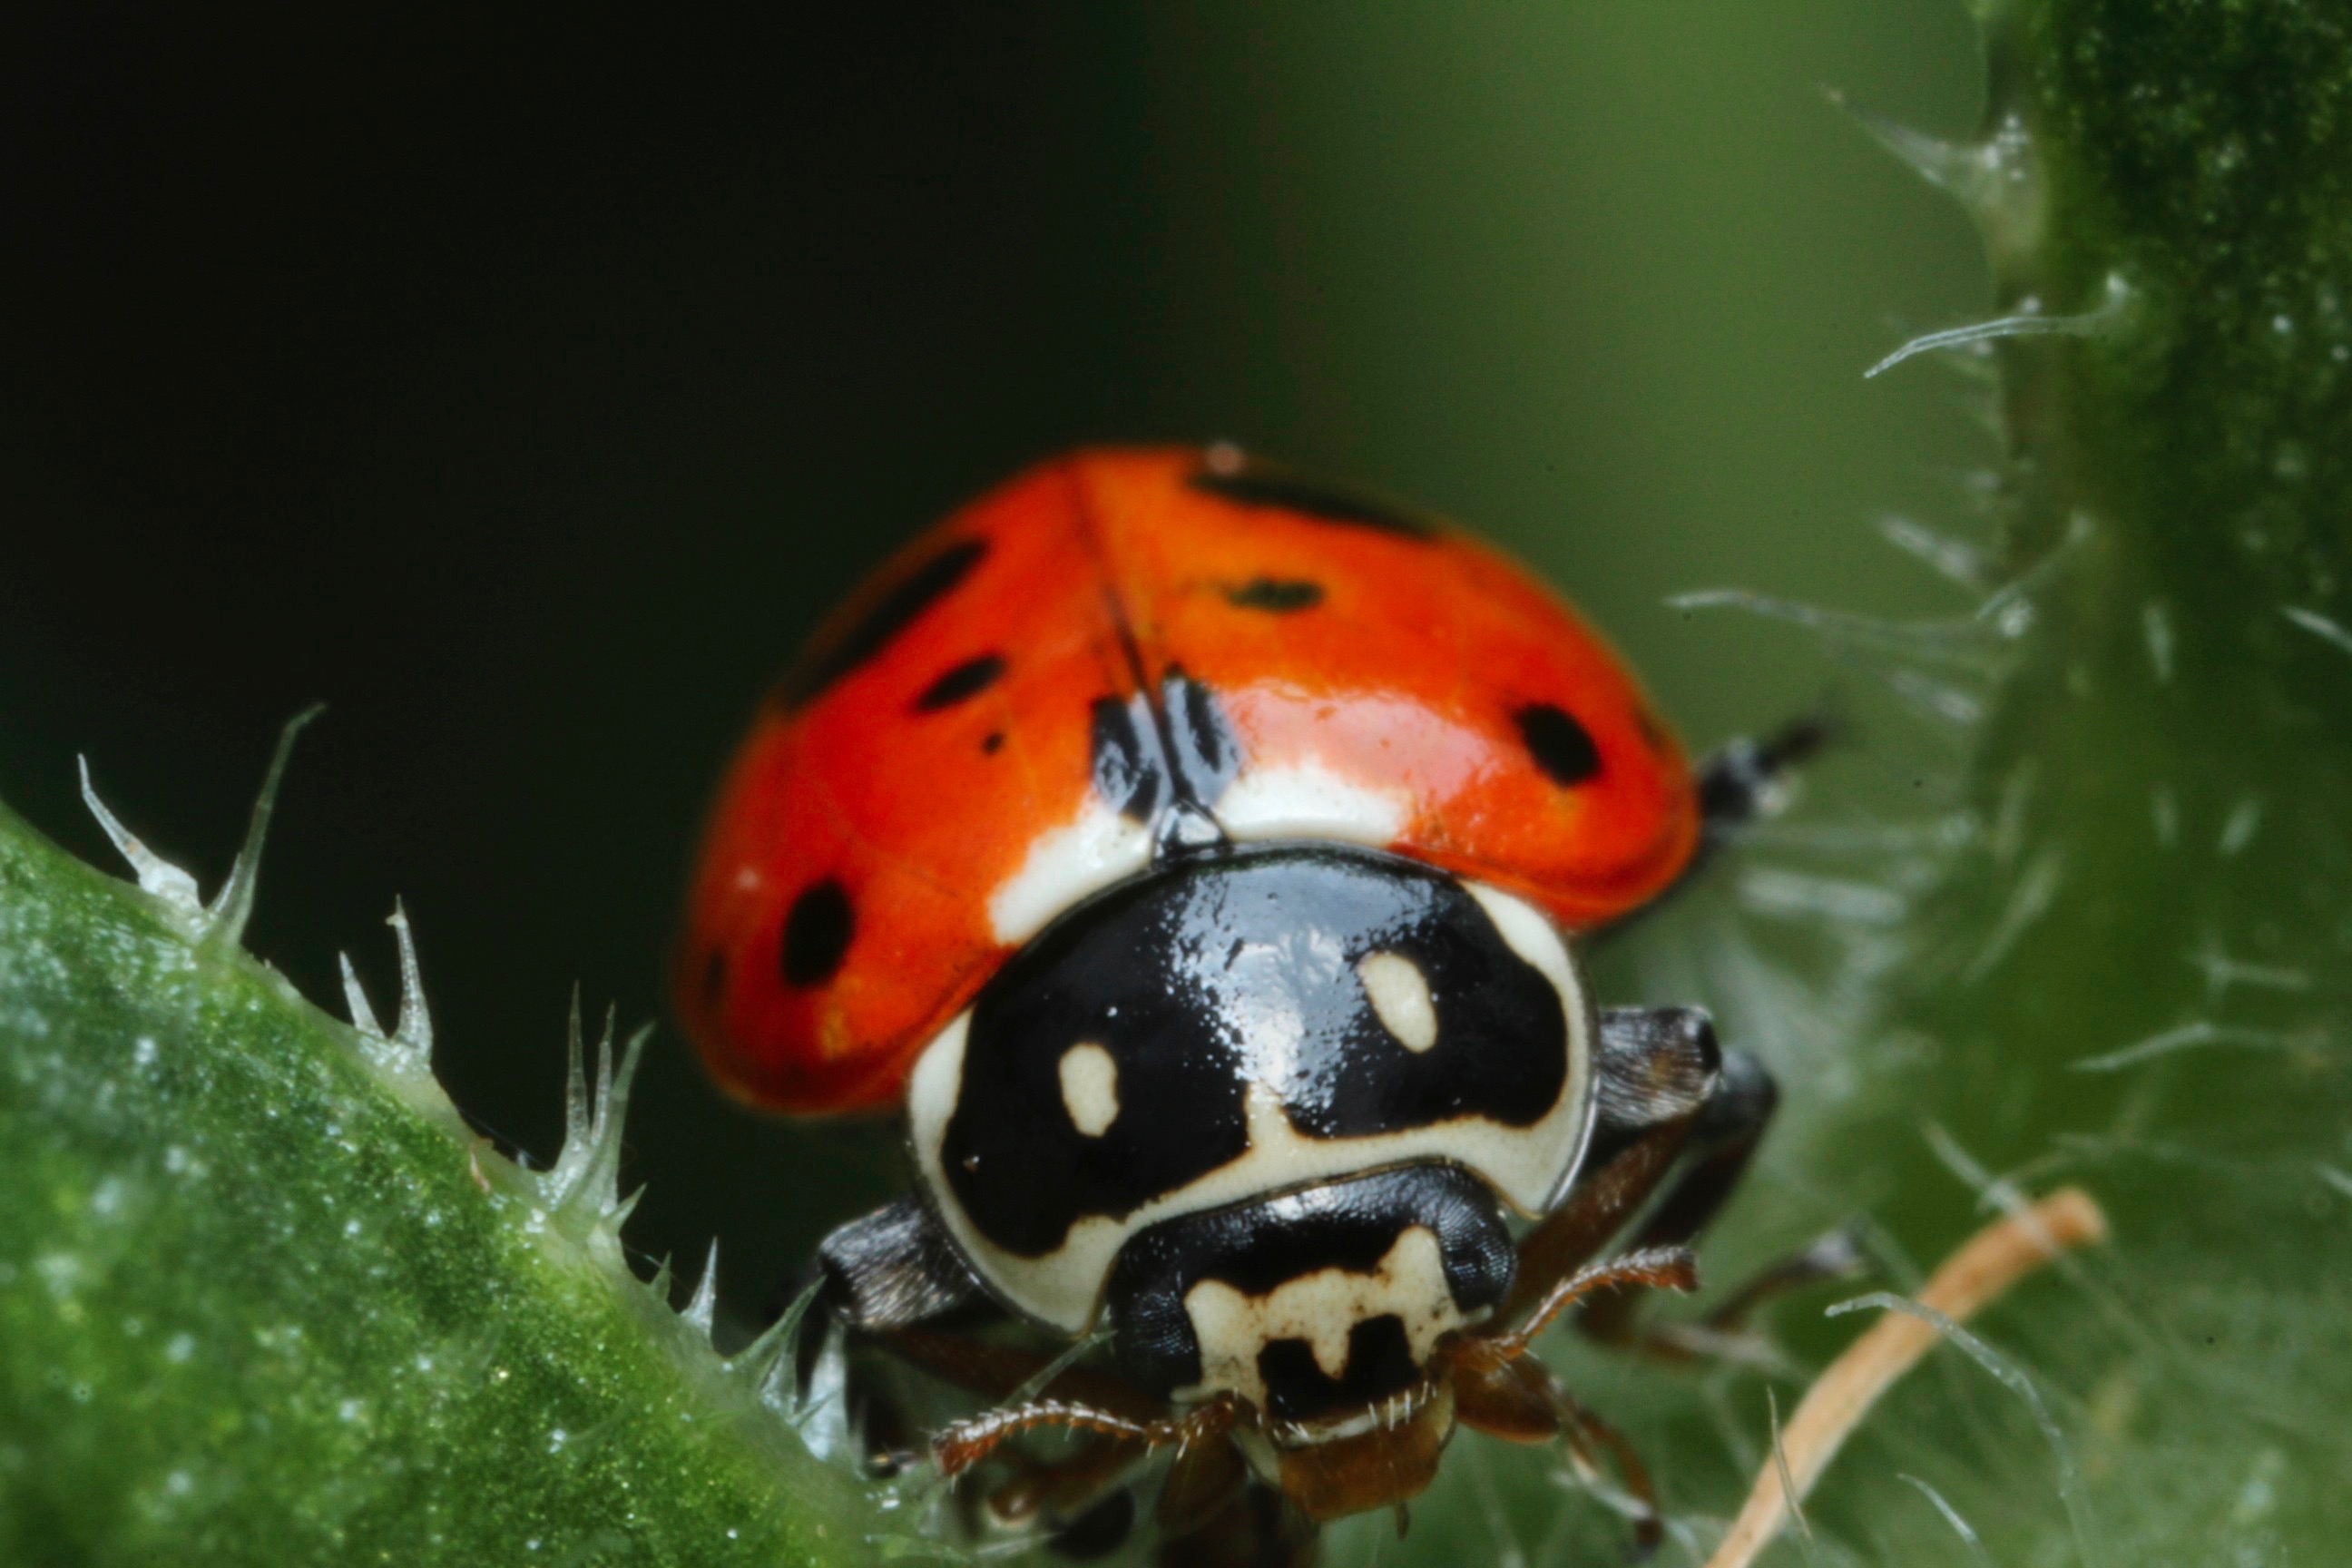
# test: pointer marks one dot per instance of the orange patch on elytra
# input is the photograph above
(1396, 680)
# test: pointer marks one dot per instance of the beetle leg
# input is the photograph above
(1257, 1529)
(963, 1443)
(1077, 1496)
(1061, 1490)
(1205, 1480)
(1656, 1065)
(1721, 1141)
(1506, 1400)
(1670, 1101)
(1001, 1372)
(1648, 1523)
(1649, 1268)
(1657, 1070)
(893, 1269)
(1717, 1145)
(1521, 1401)
(1835, 1255)
(884, 1271)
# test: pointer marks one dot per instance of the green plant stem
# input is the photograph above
(2136, 980)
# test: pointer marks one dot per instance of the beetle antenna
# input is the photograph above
(966, 1443)
(1651, 1268)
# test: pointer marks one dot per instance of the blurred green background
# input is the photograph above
(527, 390)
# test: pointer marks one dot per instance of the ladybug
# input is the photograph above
(1194, 856)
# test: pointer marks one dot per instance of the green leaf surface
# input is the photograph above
(264, 1298)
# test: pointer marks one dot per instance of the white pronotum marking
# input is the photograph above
(1066, 865)
(1091, 1088)
(1529, 1166)
(1321, 1307)
(1400, 997)
(1304, 801)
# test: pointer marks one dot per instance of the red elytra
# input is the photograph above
(919, 794)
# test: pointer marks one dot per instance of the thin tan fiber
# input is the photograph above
(1992, 1260)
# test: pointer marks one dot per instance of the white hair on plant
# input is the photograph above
(1965, 643)
(1960, 1526)
(1789, 1491)
(575, 1207)
(2027, 323)
(158, 877)
(355, 999)
(821, 1415)
(1946, 670)
(699, 1309)
(2238, 829)
(222, 921)
(1503, 1540)
(2012, 1377)
(2156, 626)
(770, 1365)
(2202, 1033)
(2333, 633)
(2223, 972)
(1784, 894)
(233, 905)
(1985, 1267)
(1996, 178)
(406, 1051)
(2029, 898)
(1955, 705)
(585, 1181)
(412, 1036)
(1955, 560)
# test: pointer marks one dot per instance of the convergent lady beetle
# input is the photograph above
(1192, 852)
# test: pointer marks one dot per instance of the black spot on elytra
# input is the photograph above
(1561, 747)
(965, 681)
(1275, 595)
(897, 607)
(993, 742)
(1253, 482)
(817, 934)
(714, 978)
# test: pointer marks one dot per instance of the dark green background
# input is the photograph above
(525, 389)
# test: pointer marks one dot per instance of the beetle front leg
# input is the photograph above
(1256, 1528)
(1720, 1142)
(893, 1269)
(1647, 1063)
(1677, 1113)
(1656, 1069)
